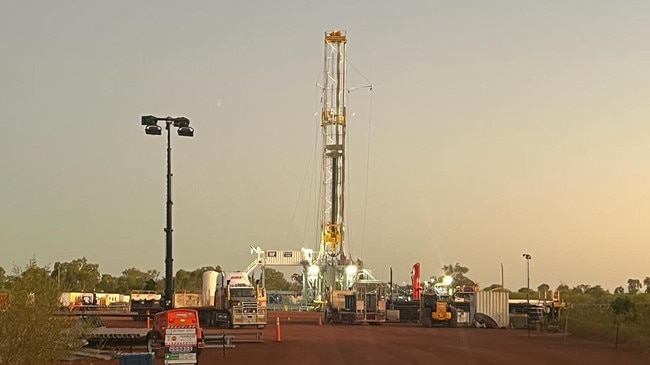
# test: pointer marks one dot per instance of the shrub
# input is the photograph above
(30, 332)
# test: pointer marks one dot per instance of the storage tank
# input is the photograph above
(208, 287)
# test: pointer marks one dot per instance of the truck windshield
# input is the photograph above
(242, 292)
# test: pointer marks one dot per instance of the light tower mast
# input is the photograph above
(333, 124)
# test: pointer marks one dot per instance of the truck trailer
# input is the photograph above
(230, 300)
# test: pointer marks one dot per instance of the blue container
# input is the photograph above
(142, 358)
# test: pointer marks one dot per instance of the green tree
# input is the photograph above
(493, 287)
(108, 284)
(619, 290)
(563, 288)
(596, 291)
(457, 272)
(182, 280)
(77, 275)
(296, 282)
(30, 333)
(524, 290)
(274, 280)
(633, 286)
(646, 282)
(135, 279)
(624, 310)
(151, 284)
(192, 281)
(580, 289)
(2, 277)
(543, 288)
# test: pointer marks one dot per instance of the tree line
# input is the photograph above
(80, 275)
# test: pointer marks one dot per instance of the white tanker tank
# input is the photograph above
(209, 287)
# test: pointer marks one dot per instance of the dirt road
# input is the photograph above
(303, 341)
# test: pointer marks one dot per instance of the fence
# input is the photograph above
(596, 321)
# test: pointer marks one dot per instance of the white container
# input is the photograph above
(209, 287)
(67, 298)
(493, 304)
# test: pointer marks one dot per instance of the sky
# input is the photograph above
(493, 129)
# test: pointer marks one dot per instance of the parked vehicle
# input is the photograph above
(178, 333)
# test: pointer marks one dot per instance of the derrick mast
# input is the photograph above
(333, 124)
(344, 289)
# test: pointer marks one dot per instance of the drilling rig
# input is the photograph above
(347, 291)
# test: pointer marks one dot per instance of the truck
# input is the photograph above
(238, 302)
(228, 299)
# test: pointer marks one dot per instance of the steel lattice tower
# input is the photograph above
(333, 124)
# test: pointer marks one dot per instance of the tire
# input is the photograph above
(152, 341)
(453, 322)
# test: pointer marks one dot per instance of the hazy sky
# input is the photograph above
(493, 129)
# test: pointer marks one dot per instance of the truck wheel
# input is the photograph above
(453, 322)
(152, 341)
(230, 322)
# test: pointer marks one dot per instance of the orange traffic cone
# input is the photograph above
(278, 338)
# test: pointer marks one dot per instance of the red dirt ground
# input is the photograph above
(303, 341)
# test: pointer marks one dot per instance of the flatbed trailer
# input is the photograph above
(210, 316)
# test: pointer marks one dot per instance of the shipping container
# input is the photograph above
(494, 305)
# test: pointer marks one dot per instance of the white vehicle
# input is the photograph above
(238, 302)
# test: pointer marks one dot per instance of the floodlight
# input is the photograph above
(149, 120)
(351, 270)
(447, 280)
(181, 122)
(186, 131)
(313, 270)
(153, 130)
